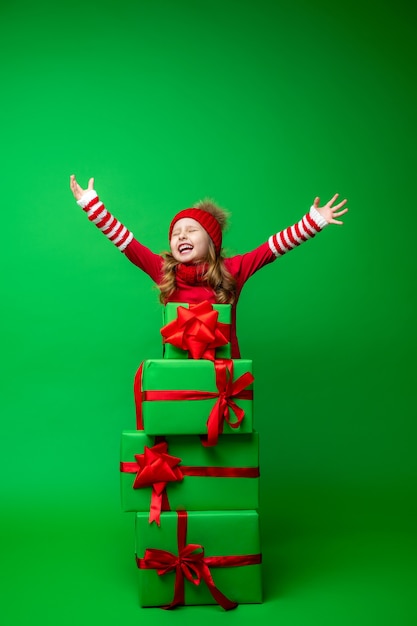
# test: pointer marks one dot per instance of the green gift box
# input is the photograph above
(205, 323)
(218, 550)
(189, 397)
(190, 476)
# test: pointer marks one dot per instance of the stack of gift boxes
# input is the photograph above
(190, 469)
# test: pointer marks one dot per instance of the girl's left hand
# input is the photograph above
(329, 212)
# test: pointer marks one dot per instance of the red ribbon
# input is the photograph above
(227, 389)
(155, 468)
(197, 330)
(192, 564)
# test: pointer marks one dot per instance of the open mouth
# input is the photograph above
(185, 247)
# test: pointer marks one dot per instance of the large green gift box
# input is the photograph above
(200, 326)
(189, 475)
(194, 397)
(199, 557)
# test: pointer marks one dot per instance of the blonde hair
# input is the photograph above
(216, 276)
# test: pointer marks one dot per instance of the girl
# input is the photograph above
(195, 270)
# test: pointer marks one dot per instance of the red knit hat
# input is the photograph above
(206, 220)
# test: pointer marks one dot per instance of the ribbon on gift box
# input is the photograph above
(156, 468)
(227, 391)
(192, 564)
(197, 330)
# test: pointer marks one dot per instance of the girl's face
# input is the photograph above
(189, 241)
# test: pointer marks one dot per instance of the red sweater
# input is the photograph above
(241, 267)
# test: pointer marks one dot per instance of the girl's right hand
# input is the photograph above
(77, 190)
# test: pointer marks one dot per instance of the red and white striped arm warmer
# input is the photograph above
(104, 220)
(293, 236)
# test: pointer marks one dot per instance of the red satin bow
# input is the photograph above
(156, 469)
(192, 565)
(197, 330)
(227, 390)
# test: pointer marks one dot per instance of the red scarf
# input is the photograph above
(192, 274)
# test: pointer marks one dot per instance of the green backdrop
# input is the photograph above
(262, 106)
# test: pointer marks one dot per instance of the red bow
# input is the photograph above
(197, 330)
(228, 389)
(156, 469)
(192, 565)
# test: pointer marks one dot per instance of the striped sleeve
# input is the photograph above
(104, 220)
(293, 236)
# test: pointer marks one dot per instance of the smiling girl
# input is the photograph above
(195, 270)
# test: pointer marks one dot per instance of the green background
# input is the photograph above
(262, 106)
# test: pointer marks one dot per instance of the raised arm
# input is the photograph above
(89, 201)
(245, 265)
(313, 222)
(118, 234)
